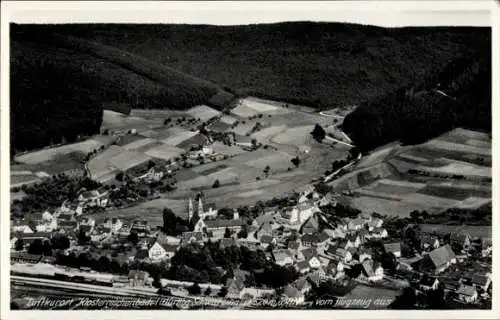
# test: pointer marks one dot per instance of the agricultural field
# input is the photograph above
(203, 112)
(48, 154)
(164, 152)
(381, 182)
(473, 231)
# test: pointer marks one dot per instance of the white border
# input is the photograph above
(154, 12)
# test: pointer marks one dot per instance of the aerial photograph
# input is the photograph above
(276, 165)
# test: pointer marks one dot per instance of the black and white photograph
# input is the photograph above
(232, 156)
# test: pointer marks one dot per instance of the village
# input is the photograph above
(312, 247)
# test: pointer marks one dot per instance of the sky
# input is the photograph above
(379, 13)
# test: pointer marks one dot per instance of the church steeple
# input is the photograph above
(200, 206)
(190, 209)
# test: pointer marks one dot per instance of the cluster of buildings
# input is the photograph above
(299, 237)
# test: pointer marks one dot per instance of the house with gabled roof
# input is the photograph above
(353, 241)
(371, 270)
(394, 248)
(438, 259)
(303, 266)
(461, 239)
(481, 281)
(467, 294)
(356, 224)
(302, 284)
(362, 254)
(20, 226)
(377, 233)
(114, 224)
(290, 292)
(375, 223)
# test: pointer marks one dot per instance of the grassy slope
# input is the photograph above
(321, 64)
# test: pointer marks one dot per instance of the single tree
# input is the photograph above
(208, 291)
(318, 133)
(227, 233)
(133, 237)
(19, 245)
(222, 292)
(36, 247)
(216, 184)
(194, 289)
(295, 161)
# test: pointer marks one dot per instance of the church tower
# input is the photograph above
(200, 207)
(190, 209)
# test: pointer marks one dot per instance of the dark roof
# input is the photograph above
(34, 235)
(227, 241)
(221, 223)
(291, 292)
(302, 265)
(25, 256)
(369, 267)
(466, 290)
(311, 238)
(293, 244)
(70, 223)
(392, 247)
(441, 256)
(480, 280)
(266, 239)
(85, 228)
(427, 281)
(309, 253)
(187, 236)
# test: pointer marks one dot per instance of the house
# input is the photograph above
(486, 247)
(302, 284)
(28, 238)
(290, 292)
(378, 233)
(22, 257)
(47, 223)
(311, 256)
(283, 257)
(219, 226)
(429, 242)
(326, 200)
(481, 281)
(140, 227)
(438, 259)
(353, 241)
(114, 224)
(371, 271)
(463, 240)
(363, 253)
(153, 174)
(309, 240)
(375, 223)
(313, 224)
(190, 237)
(343, 254)
(94, 198)
(394, 248)
(161, 251)
(68, 226)
(336, 265)
(467, 294)
(264, 230)
(428, 283)
(303, 267)
(266, 240)
(356, 224)
(20, 227)
(87, 221)
(139, 278)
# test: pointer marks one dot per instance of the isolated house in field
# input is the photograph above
(438, 259)
(153, 174)
(467, 294)
(394, 248)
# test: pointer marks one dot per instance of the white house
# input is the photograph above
(283, 257)
(467, 294)
(356, 224)
(23, 228)
(48, 223)
(378, 233)
(151, 175)
(114, 224)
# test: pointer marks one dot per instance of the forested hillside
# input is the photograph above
(177, 66)
(460, 96)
